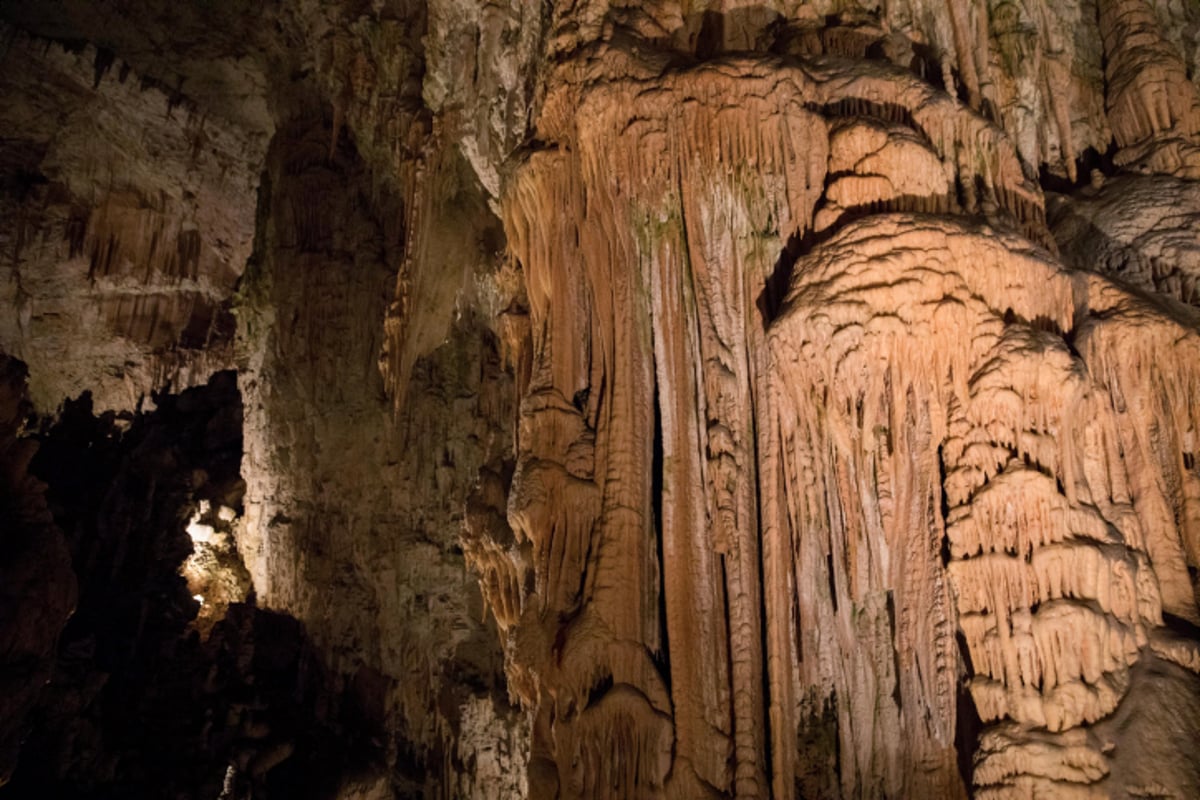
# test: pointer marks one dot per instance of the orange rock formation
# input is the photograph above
(811, 388)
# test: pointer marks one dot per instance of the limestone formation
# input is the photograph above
(131, 220)
(669, 399)
(1143, 229)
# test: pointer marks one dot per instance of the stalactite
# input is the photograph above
(1153, 107)
(1057, 597)
(966, 47)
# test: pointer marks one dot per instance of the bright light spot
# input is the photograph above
(198, 532)
(199, 598)
(226, 514)
(230, 781)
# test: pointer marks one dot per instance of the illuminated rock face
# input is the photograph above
(811, 389)
(1019, 454)
(808, 451)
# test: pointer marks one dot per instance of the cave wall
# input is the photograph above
(40, 588)
(352, 512)
(133, 698)
(131, 216)
(685, 399)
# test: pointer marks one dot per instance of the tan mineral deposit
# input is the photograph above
(600, 399)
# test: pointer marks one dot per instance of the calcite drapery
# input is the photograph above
(125, 248)
(823, 464)
(883, 483)
(1052, 556)
(648, 302)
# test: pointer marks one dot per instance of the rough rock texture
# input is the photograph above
(137, 703)
(692, 246)
(634, 399)
(1144, 229)
(131, 216)
(900, 486)
(407, 615)
(1058, 569)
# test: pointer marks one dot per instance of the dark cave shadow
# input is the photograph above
(138, 705)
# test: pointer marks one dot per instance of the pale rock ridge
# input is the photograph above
(1143, 229)
(450, 249)
(403, 628)
(680, 212)
(1155, 404)
(1033, 66)
(491, 550)
(861, 411)
(369, 63)
(370, 566)
(481, 79)
(1054, 607)
(1027, 487)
